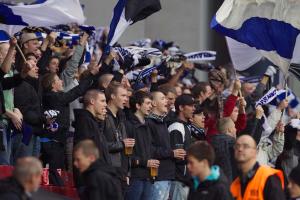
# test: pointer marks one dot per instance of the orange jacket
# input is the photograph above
(255, 187)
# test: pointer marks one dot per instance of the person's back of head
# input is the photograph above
(226, 126)
(85, 154)
(28, 172)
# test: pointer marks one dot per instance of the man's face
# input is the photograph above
(160, 103)
(171, 97)
(294, 189)
(194, 166)
(199, 120)
(235, 113)
(31, 46)
(53, 65)
(34, 70)
(120, 98)
(188, 111)
(244, 150)
(57, 84)
(100, 106)
(82, 162)
(248, 88)
(146, 106)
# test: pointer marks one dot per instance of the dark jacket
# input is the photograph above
(87, 127)
(115, 132)
(180, 134)
(212, 190)
(223, 145)
(162, 150)
(101, 182)
(11, 189)
(26, 99)
(142, 148)
(60, 101)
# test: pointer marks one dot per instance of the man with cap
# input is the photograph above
(30, 42)
(181, 139)
(294, 183)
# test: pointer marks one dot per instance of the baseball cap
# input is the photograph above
(184, 100)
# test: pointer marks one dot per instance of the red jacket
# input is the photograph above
(211, 121)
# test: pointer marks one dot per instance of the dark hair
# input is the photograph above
(198, 88)
(202, 150)
(112, 89)
(47, 81)
(138, 98)
(165, 89)
(29, 55)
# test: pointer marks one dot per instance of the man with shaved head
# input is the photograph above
(255, 181)
(162, 150)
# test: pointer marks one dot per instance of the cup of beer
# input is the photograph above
(153, 172)
(128, 151)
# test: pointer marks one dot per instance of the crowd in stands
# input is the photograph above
(166, 136)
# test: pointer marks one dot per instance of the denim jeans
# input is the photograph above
(161, 190)
(5, 155)
(138, 190)
(19, 149)
(179, 191)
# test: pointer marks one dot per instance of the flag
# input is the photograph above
(242, 56)
(4, 37)
(128, 12)
(270, 26)
(46, 13)
(293, 100)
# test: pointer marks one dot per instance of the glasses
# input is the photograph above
(243, 146)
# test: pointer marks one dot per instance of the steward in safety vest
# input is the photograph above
(255, 182)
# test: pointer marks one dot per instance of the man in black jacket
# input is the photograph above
(54, 138)
(209, 182)
(87, 122)
(162, 150)
(100, 180)
(223, 144)
(181, 138)
(114, 127)
(137, 128)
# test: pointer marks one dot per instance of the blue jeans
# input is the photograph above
(161, 190)
(5, 155)
(138, 190)
(19, 149)
(179, 191)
